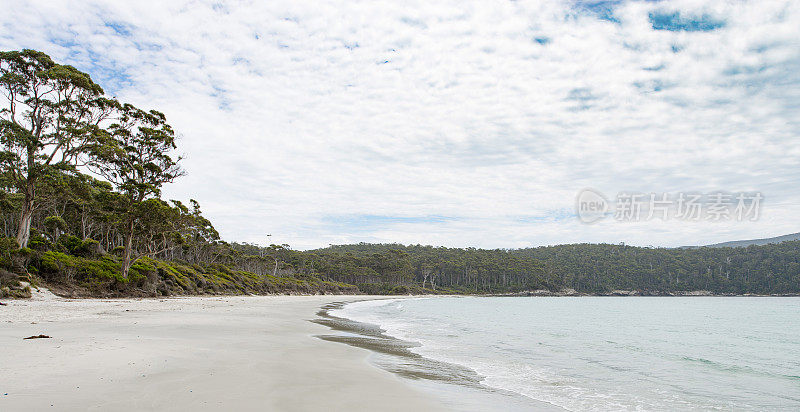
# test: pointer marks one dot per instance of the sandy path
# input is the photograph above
(234, 353)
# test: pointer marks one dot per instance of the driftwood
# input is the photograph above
(37, 337)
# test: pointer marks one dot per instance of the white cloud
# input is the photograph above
(296, 116)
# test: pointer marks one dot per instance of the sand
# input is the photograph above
(195, 353)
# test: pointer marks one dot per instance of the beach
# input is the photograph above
(209, 353)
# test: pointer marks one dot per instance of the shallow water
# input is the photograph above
(606, 353)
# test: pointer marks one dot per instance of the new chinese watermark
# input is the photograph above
(592, 206)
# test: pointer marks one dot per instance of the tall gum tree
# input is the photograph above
(134, 155)
(48, 119)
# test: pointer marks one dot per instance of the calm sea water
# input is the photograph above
(606, 353)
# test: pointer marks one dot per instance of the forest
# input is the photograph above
(82, 212)
(585, 268)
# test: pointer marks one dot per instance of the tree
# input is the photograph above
(199, 239)
(47, 121)
(133, 154)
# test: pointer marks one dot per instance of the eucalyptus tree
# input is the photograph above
(134, 155)
(48, 119)
(200, 241)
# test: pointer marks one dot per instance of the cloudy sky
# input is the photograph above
(458, 123)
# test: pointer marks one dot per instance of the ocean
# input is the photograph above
(587, 353)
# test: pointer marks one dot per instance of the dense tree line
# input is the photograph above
(767, 269)
(586, 268)
(465, 270)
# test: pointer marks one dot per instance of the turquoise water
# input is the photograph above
(607, 353)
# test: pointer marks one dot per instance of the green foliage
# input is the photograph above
(38, 242)
(55, 224)
(7, 247)
(768, 269)
(101, 276)
(87, 248)
(23, 252)
(134, 155)
(70, 244)
(587, 268)
(92, 273)
(47, 121)
(379, 268)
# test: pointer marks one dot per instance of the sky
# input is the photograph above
(456, 123)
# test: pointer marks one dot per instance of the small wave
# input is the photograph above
(726, 367)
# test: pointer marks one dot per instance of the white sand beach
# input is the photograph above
(193, 353)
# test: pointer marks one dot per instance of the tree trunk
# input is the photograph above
(126, 254)
(84, 222)
(24, 231)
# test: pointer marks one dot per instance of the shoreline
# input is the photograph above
(214, 353)
(45, 290)
(459, 386)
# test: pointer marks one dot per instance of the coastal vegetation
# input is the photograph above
(577, 268)
(81, 211)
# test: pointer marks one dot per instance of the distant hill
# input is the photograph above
(745, 243)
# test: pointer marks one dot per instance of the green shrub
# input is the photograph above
(70, 244)
(24, 252)
(86, 248)
(7, 246)
(50, 263)
(141, 269)
(101, 276)
(400, 290)
(66, 268)
(375, 288)
(39, 242)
